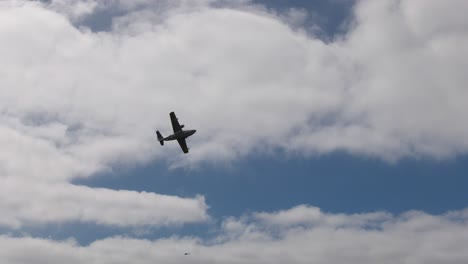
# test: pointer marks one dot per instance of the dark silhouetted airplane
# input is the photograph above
(179, 134)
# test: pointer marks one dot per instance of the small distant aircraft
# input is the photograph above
(186, 254)
(179, 134)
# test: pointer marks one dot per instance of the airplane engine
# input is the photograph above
(181, 126)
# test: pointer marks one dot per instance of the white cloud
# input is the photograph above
(50, 133)
(312, 216)
(36, 165)
(411, 88)
(58, 203)
(413, 237)
(74, 102)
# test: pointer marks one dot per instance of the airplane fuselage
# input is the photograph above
(181, 135)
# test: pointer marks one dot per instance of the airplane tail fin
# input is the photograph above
(160, 138)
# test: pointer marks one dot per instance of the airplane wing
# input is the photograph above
(175, 124)
(183, 145)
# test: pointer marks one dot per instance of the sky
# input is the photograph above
(327, 131)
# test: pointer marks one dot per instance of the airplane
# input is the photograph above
(179, 134)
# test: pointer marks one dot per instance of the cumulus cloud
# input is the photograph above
(310, 216)
(350, 94)
(47, 139)
(35, 173)
(58, 203)
(413, 237)
(411, 88)
(75, 102)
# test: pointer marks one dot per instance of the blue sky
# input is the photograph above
(337, 183)
(330, 16)
(86, 84)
